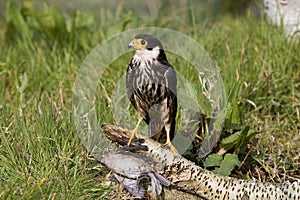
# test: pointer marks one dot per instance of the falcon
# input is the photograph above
(151, 88)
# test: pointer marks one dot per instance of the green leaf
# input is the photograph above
(213, 160)
(233, 120)
(235, 116)
(243, 137)
(228, 164)
(230, 141)
(238, 139)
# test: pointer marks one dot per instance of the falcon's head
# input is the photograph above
(147, 48)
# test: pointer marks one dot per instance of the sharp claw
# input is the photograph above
(133, 134)
(130, 140)
(173, 149)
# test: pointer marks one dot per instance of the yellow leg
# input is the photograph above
(134, 132)
(168, 143)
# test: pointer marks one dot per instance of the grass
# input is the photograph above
(41, 155)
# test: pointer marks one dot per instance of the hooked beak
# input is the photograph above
(134, 44)
(131, 45)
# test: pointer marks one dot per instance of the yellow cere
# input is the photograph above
(139, 44)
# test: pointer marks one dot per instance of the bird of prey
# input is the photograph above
(151, 88)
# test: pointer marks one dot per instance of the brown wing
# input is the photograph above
(164, 116)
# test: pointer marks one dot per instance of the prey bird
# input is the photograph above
(151, 88)
(131, 170)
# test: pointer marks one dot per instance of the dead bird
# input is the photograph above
(132, 170)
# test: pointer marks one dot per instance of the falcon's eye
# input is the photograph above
(143, 42)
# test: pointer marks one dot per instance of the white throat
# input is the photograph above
(146, 55)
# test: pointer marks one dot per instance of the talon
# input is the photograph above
(134, 133)
(173, 149)
(168, 143)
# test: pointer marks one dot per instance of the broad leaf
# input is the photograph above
(213, 160)
(228, 164)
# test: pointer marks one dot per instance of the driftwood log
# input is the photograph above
(189, 181)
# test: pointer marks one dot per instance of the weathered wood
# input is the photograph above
(190, 178)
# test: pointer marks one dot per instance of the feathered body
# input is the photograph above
(151, 87)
